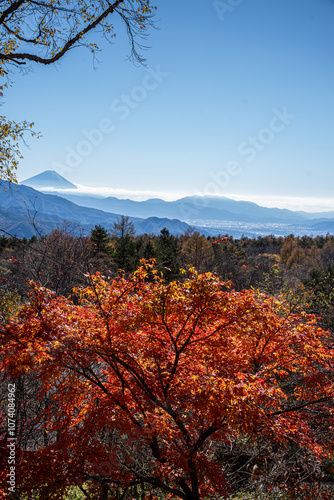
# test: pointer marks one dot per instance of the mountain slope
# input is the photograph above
(48, 179)
(20, 205)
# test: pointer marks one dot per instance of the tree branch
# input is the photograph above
(15, 6)
(68, 45)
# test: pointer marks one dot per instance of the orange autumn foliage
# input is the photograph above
(144, 380)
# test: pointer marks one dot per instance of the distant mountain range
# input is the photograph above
(193, 209)
(24, 212)
(210, 214)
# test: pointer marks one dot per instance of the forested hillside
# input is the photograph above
(62, 261)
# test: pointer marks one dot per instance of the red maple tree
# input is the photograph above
(187, 388)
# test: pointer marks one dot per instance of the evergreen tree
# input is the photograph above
(124, 251)
(100, 239)
(168, 249)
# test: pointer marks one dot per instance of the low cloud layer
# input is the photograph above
(104, 192)
(295, 203)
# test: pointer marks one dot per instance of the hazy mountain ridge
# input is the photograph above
(192, 207)
(201, 211)
(20, 205)
(188, 208)
(210, 214)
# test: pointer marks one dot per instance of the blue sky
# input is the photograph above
(237, 100)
